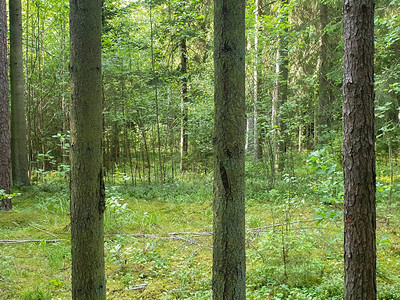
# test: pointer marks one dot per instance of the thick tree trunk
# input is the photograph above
(359, 151)
(229, 265)
(5, 148)
(19, 154)
(184, 100)
(87, 185)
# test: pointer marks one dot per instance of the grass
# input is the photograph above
(180, 267)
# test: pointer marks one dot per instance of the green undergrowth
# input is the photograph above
(158, 243)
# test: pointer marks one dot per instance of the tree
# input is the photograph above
(229, 265)
(5, 150)
(359, 151)
(87, 185)
(280, 93)
(19, 156)
(184, 103)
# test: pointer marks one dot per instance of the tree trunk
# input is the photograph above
(87, 185)
(321, 122)
(229, 262)
(5, 148)
(184, 100)
(19, 155)
(257, 69)
(359, 151)
(280, 93)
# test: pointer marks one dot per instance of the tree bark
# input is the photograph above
(323, 111)
(257, 69)
(229, 265)
(280, 93)
(19, 154)
(5, 147)
(184, 100)
(359, 151)
(87, 185)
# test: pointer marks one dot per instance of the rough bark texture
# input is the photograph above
(5, 150)
(229, 266)
(87, 185)
(19, 154)
(359, 151)
(184, 100)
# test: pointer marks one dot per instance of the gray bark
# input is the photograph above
(19, 154)
(229, 265)
(87, 185)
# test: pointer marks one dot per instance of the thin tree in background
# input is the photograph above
(359, 151)
(87, 185)
(19, 154)
(184, 103)
(280, 93)
(229, 262)
(5, 150)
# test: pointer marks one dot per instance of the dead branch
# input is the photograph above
(49, 233)
(29, 241)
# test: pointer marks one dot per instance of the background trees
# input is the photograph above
(142, 56)
(157, 94)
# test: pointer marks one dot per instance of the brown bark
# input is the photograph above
(5, 148)
(87, 185)
(229, 262)
(359, 151)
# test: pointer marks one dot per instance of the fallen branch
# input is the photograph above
(262, 228)
(49, 233)
(29, 241)
(140, 286)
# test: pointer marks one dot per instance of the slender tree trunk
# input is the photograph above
(184, 102)
(258, 14)
(64, 103)
(249, 146)
(160, 162)
(391, 179)
(229, 261)
(280, 93)
(87, 185)
(5, 147)
(321, 120)
(19, 155)
(359, 151)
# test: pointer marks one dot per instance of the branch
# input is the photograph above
(262, 228)
(49, 233)
(29, 241)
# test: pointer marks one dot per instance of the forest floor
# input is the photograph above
(158, 242)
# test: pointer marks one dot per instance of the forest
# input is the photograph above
(187, 149)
